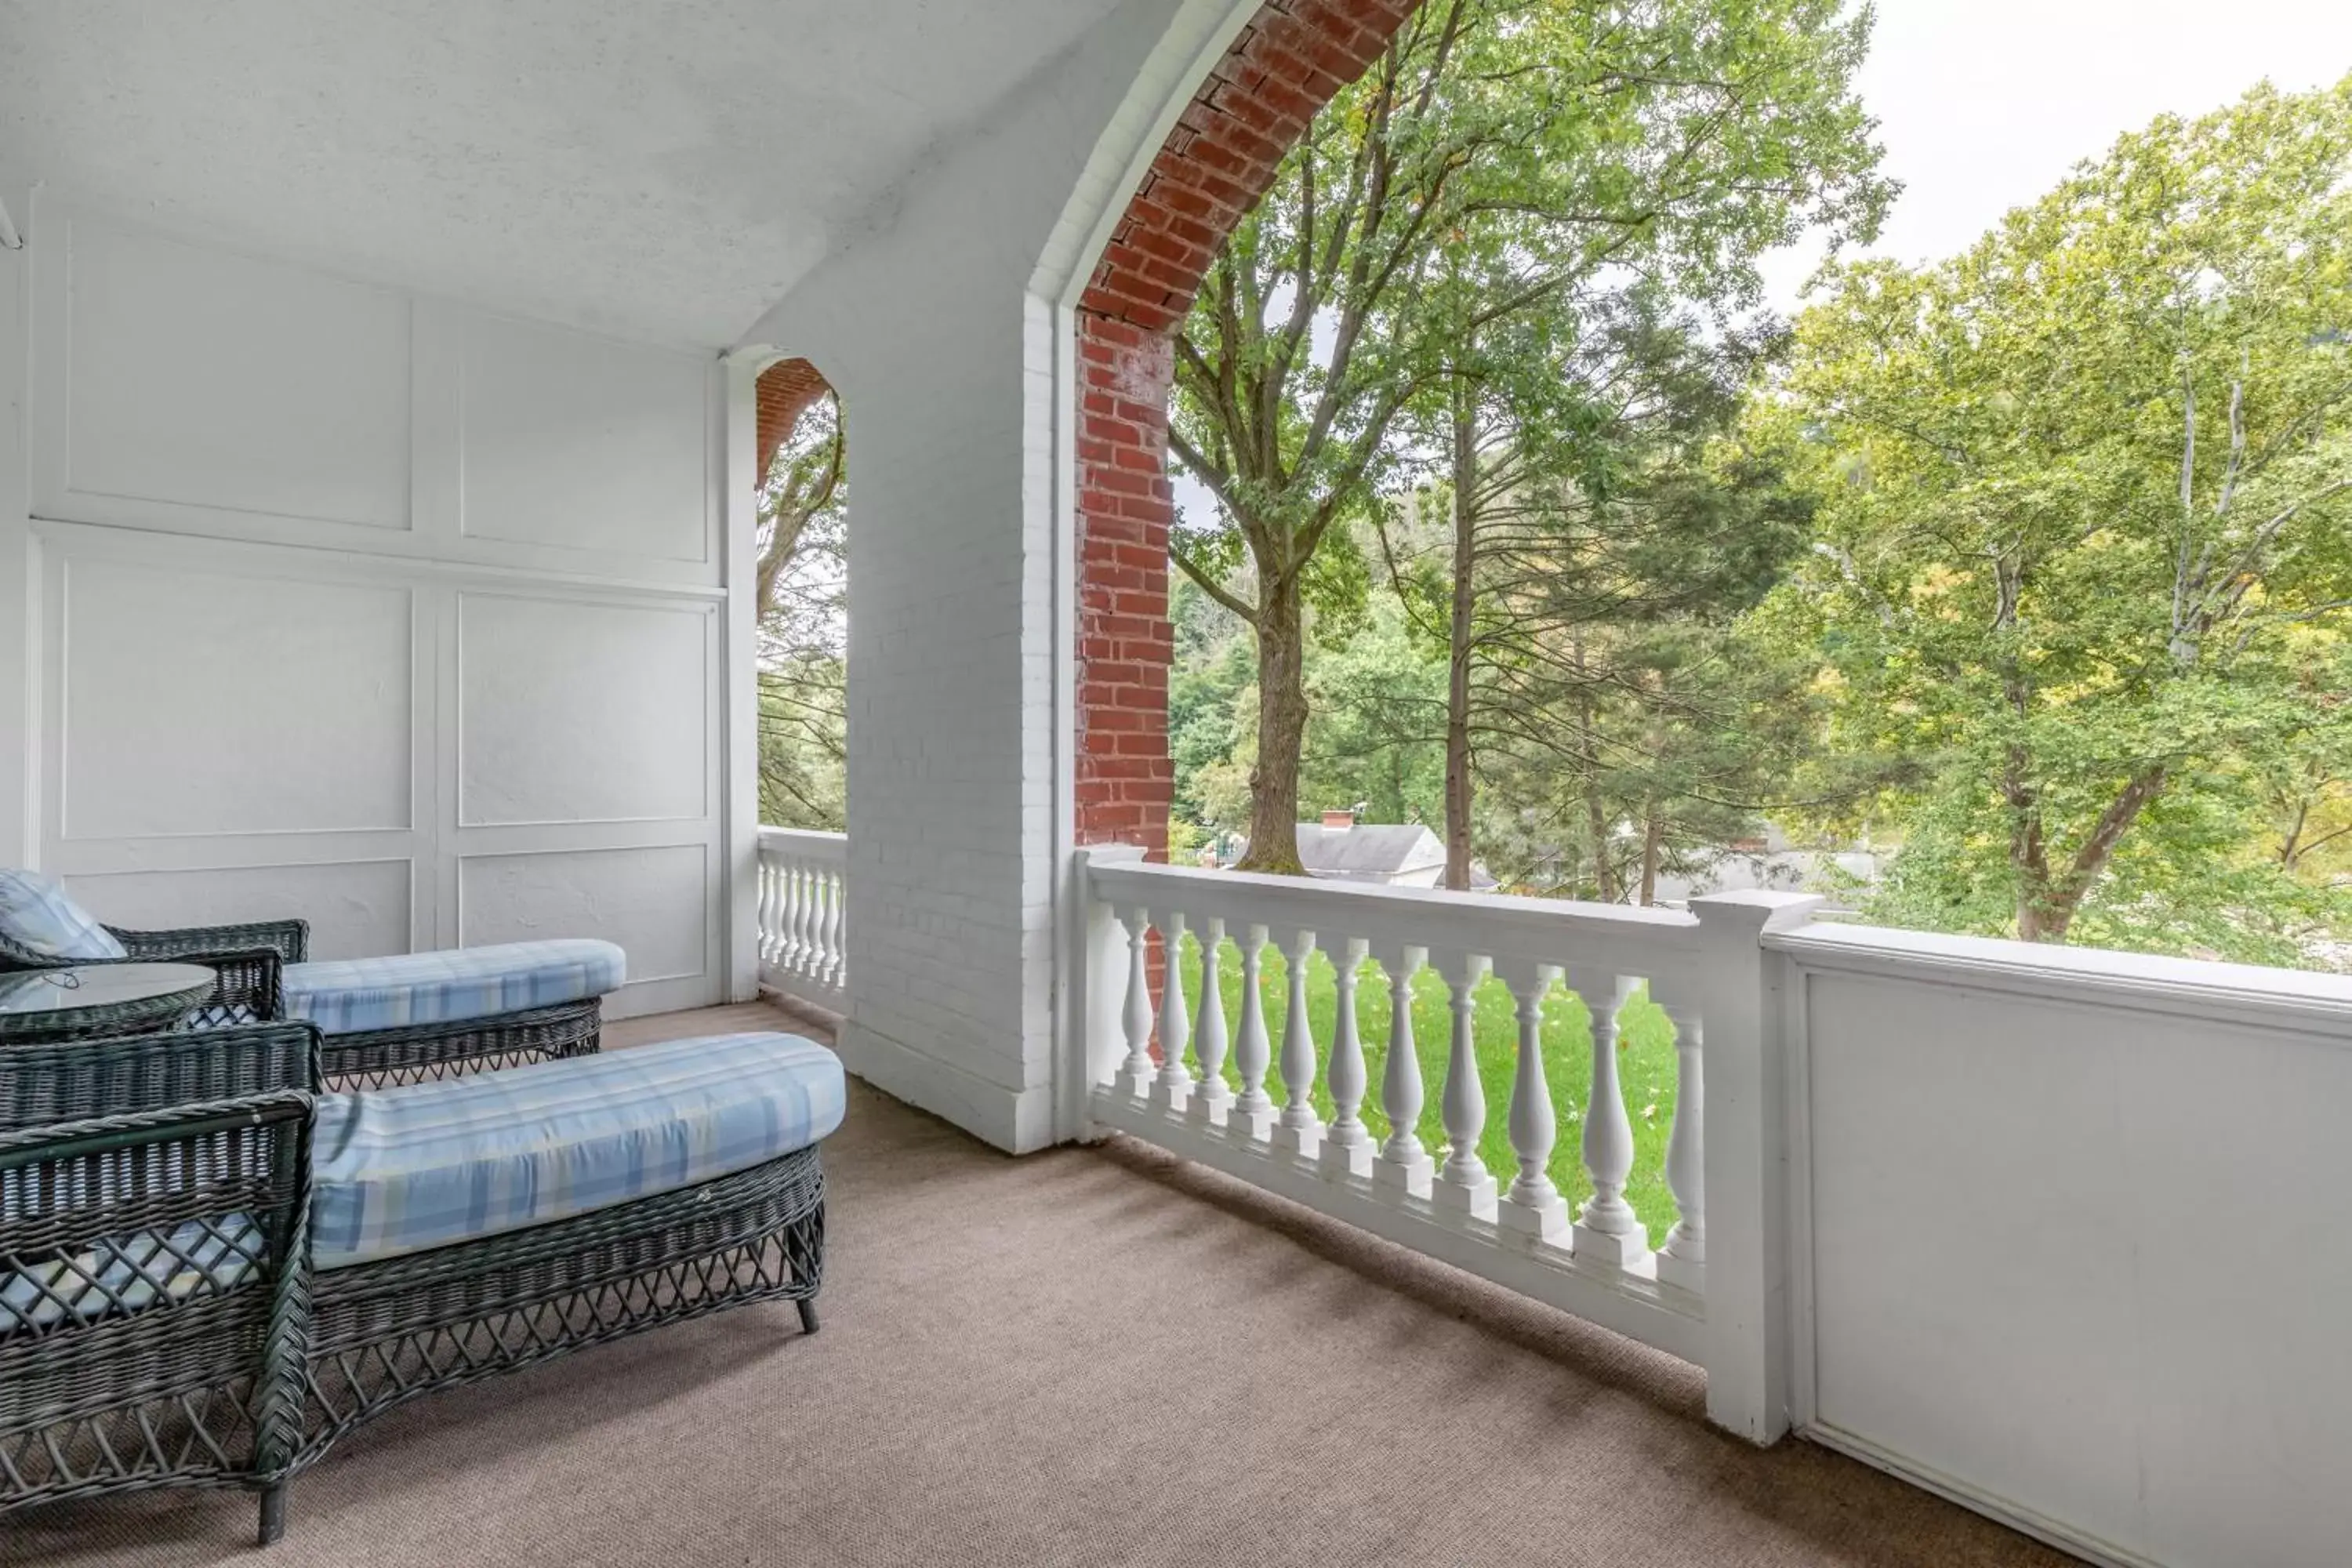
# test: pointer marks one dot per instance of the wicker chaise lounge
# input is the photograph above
(385, 1020)
(214, 1284)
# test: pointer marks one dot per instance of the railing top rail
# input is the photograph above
(2238, 992)
(1632, 941)
(803, 841)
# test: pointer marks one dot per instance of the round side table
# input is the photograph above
(95, 999)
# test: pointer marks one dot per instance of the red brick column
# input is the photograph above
(1283, 67)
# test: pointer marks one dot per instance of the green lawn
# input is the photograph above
(1645, 1065)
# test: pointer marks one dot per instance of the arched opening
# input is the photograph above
(1288, 62)
(802, 591)
(800, 604)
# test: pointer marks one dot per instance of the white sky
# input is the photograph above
(1983, 105)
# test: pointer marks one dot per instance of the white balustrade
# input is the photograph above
(1518, 1230)
(802, 891)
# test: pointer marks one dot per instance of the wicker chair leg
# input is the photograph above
(808, 1314)
(273, 1514)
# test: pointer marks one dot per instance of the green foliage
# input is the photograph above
(1502, 160)
(804, 627)
(2083, 550)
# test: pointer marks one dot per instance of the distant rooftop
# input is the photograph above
(1367, 852)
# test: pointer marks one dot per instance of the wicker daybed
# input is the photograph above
(196, 1290)
(253, 960)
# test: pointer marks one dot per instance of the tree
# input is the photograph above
(1531, 146)
(2083, 489)
(1596, 542)
(803, 586)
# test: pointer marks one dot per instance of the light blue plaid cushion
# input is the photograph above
(130, 1273)
(349, 995)
(403, 1170)
(37, 915)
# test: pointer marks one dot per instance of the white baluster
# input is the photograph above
(1683, 1259)
(814, 961)
(1463, 1184)
(1607, 1230)
(835, 904)
(1532, 1207)
(1403, 1166)
(1346, 1143)
(1211, 1095)
(1252, 1114)
(1135, 1074)
(1174, 1086)
(796, 956)
(764, 906)
(1300, 1131)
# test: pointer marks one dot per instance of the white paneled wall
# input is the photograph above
(371, 608)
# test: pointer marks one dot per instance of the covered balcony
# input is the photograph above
(378, 472)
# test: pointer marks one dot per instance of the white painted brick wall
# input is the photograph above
(932, 329)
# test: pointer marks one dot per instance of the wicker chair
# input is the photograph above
(154, 1263)
(250, 1382)
(251, 961)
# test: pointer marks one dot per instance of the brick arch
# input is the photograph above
(784, 391)
(1285, 65)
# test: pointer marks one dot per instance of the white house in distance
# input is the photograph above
(1387, 853)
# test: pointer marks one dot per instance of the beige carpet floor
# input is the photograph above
(1085, 1358)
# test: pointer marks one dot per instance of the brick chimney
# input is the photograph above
(1339, 819)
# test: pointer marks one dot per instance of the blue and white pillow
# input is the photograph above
(37, 918)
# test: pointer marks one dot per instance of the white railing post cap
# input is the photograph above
(1755, 910)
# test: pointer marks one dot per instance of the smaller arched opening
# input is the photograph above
(802, 595)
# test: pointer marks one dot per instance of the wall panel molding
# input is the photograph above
(186, 389)
(407, 622)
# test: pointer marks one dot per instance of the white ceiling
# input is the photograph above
(660, 168)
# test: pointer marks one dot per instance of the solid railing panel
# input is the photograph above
(2069, 1246)
(804, 889)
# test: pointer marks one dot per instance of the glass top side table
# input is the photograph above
(100, 999)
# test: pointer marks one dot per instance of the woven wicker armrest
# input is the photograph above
(128, 1075)
(159, 1301)
(290, 940)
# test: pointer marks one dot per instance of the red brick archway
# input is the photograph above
(1282, 68)
(783, 393)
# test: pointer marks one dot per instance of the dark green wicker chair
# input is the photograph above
(250, 1382)
(154, 1263)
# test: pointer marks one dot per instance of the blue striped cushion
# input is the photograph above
(36, 916)
(403, 1170)
(351, 995)
(130, 1273)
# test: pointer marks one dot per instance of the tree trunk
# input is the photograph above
(1281, 731)
(1458, 786)
(1596, 812)
(1654, 836)
(2044, 915)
